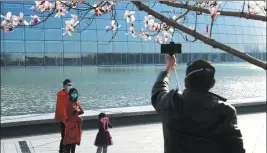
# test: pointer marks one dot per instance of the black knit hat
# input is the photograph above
(66, 81)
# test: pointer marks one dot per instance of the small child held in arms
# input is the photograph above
(103, 137)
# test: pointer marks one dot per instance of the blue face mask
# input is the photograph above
(74, 95)
(69, 87)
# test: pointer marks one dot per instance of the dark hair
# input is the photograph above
(100, 115)
(200, 75)
(66, 81)
(71, 91)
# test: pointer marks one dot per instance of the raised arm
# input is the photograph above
(162, 98)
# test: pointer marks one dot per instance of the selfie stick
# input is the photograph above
(176, 78)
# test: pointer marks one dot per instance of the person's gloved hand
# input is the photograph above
(75, 112)
(80, 112)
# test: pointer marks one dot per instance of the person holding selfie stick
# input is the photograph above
(196, 121)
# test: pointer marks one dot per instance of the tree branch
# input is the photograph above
(211, 26)
(184, 14)
(243, 6)
(200, 37)
(223, 13)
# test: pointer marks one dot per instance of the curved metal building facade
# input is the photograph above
(44, 45)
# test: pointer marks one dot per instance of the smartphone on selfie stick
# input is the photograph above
(172, 49)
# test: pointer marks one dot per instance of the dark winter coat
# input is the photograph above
(195, 122)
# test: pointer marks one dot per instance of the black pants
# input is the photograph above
(70, 148)
(62, 129)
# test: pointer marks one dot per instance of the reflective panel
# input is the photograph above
(89, 59)
(53, 59)
(27, 9)
(105, 47)
(53, 46)
(12, 59)
(89, 47)
(34, 46)
(121, 36)
(89, 39)
(34, 34)
(34, 59)
(2, 46)
(196, 47)
(8, 46)
(89, 35)
(85, 25)
(54, 23)
(120, 47)
(9, 7)
(52, 34)
(148, 47)
(75, 36)
(134, 47)
(104, 36)
(102, 23)
(17, 34)
(70, 59)
(71, 46)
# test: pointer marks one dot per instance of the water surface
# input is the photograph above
(33, 90)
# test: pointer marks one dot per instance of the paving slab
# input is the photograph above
(146, 138)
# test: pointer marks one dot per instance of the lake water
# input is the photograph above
(33, 90)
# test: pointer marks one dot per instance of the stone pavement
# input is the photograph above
(137, 139)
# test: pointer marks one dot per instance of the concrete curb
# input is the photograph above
(42, 124)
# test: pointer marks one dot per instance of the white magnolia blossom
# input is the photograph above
(132, 31)
(158, 39)
(145, 35)
(7, 18)
(35, 19)
(60, 9)
(70, 25)
(129, 16)
(42, 6)
(149, 20)
(9, 21)
(166, 35)
(113, 26)
(19, 19)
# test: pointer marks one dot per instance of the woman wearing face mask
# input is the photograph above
(73, 123)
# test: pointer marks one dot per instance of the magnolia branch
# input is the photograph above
(200, 37)
(183, 15)
(163, 24)
(223, 13)
(114, 26)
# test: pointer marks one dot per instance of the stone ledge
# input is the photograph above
(138, 111)
(40, 124)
